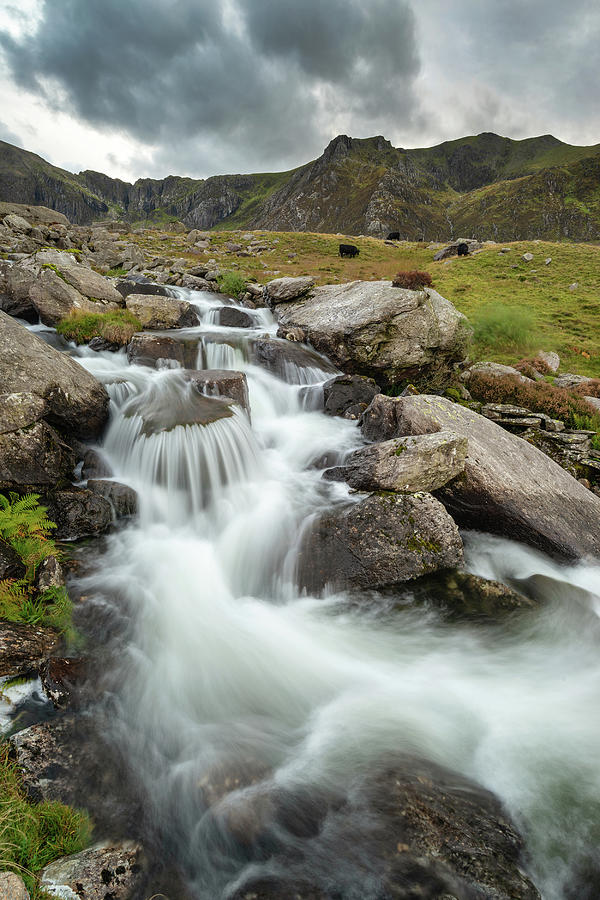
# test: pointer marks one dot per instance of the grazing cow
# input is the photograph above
(463, 250)
(349, 250)
(393, 236)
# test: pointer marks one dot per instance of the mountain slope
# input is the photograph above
(483, 185)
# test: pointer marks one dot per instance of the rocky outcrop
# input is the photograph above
(508, 487)
(282, 290)
(383, 540)
(122, 498)
(422, 463)
(160, 313)
(111, 869)
(25, 648)
(76, 402)
(152, 349)
(387, 333)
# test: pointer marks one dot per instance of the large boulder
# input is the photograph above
(90, 283)
(25, 648)
(159, 350)
(382, 540)
(387, 333)
(422, 463)
(54, 298)
(159, 313)
(282, 290)
(34, 459)
(111, 869)
(348, 395)
(79, 513)
(508, 486)
(16, 301)
(76, 402)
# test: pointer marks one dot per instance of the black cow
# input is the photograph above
(393, 236)
(349, 250)
(463, 250)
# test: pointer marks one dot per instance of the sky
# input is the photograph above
(148, 88)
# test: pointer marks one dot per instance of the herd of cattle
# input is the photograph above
(351, 251)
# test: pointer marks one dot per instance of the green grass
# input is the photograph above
(117, 326)
(231, 283)
(32, 835)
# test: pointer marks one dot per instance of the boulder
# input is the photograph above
(122, 498)
(37, 214)
(111, 869)
(127, 287)
(508, 486)
(387, 333)
(54, 298)
(17, 223)
(60, 677)
(95, 465)
(282, 290)
(78, 513)
(25, 648)
(77, 403)
(282, 357)
(155, 350)
(222, 383)
(16, 301)
(159, 313)
(494, 370)
(34, 459)
(382, 540)
(348, 395)
(90, 283)
(452, 249)
(551, 359)
(568, 380)
(231, 317)
(10, 562)
(12, 887)
(20, 409)
(421, 463)
(463, 596)
(49, 574)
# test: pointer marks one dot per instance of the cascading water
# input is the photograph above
(231, 674)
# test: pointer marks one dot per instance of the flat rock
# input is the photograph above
(382, 540)
(159, 313)
(91, 284)
(127, 287)
(569, 380)
(508, 486)
(25, 648)
(421, 463)
(348, 395)
(111, 869)
(282, 290)
(76, 401)
(387, 333)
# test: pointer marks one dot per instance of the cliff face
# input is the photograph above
(485, 185)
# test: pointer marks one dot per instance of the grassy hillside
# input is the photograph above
(497, 291)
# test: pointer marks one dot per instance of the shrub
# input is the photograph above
(412, 280)
(117, 326)
(532, 366)
(541, 397)
(589, 388)
(511, 327)
(231, 283)
(32, 835)
(25, 527)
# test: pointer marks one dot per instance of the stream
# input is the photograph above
(229, 672)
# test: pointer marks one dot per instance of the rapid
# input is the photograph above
(229, 672)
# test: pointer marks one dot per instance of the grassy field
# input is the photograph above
(516, 307)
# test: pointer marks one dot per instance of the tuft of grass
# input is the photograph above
(508, 327)
(117, 326)
(117, 272)
(32, 835)
(231, 283)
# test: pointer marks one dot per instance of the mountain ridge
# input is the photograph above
(484, 185)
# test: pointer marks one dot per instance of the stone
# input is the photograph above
(34, 459)
(527, 257)
(494, 370)
(16, 301)
(508, 487)
(192, 409)
(10, 562)
(420, 463)
(91, 284)
(281, 290)
(95, 465)
(574, 286)
(257, 290)
(593, 401)
(387, 333)
(160, 313)
(17, 223)
(60, 678)
(122, 498)
(153, 349)
(348, 395)
(281, 357)
(25, 648)
(54, 299)
(551, 359)
(127, 287)
(50, 574)
(382, 540)
(12, 887)
(110, 869)
(79, 513)
(463, 596)
(548, 260)
(568, 380)
(20, 409)
(77, 403)
(452, 249)
(232, 317)
(224, 383)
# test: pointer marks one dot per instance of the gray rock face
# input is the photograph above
(54, 298)
(568, 380)
(75, 400)
(20, 409)
(25, 648)
(223, 383)
(110, 869)
(508, 486)
(382, 540)
(12, 887)
(387, 333)
(422, 463)
(122, 498)
(151, 349)
(231, 317)
(127, 287)
(494, 370)
(34, 459)
(79, 513)
(160, 313)
(348, 395)
(281, 290)
(91, 284)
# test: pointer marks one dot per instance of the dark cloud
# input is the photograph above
(265, 83)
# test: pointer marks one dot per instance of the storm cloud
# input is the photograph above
(202, 87)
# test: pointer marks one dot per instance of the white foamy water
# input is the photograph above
(228, 666)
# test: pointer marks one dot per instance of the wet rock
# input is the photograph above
(78, 513)
(10, 562)
(127, 287)
(191, 409)
(464, 596)
(281, 290)
(94, 465)
(122, 498)
(50, 574)
(231, 317)
(12, 887)
(76, 401)
(160, 313)
(348, 395)
(34, 459)
(60, 679)
(25, 648)
(291, 334)
(285, 357)
(222, 383)
(387, 333)
(421, 463)
(152, 349)
(508, 486)
(98, 344)
(111, 869)
(385, 539)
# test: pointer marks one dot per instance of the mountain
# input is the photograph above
(485, 185)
